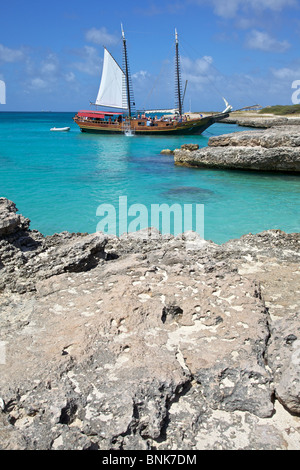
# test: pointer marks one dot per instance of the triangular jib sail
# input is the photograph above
(111, 92)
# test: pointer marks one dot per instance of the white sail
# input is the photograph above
(112, 82)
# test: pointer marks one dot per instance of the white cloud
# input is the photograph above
(246, 23)
(100, 36)
(143, 84)
(69, 77)
(142, 74)
(261, 40)
(230, 8)
(50, 65)
(10, 55)
(196, 71)
(287, 73)
(226, 9)
(90, 63)
(38, 83)
(274, 5)
(45, 75)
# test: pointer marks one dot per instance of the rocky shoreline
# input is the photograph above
(273, 149)
(261, 121)
(147, 342)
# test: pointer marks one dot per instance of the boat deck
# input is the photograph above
(145, 126)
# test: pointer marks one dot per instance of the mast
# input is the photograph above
(127, 75)
(178, 76)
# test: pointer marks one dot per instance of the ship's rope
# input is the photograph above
(158, 78)
(244, 92)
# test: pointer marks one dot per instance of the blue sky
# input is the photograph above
(245, 50)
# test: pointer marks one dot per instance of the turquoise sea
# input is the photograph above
(58, 179)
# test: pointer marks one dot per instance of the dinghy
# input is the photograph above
(60, 129)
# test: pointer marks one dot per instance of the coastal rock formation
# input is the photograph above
(167, 152)
(10, 221)
(261, 121)
(276, 149)
(28, 256)
(148, 341)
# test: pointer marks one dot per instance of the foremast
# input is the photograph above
(178, 86)
(128, 84)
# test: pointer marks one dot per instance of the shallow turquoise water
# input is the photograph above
(58, 179)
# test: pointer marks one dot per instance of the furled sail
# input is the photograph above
(228, 108)
(152, 111)
(112, 84)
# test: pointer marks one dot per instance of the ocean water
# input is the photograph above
(58, 180)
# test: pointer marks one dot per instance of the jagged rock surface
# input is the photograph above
(146, 341)
(276, 149)
(261, 122)
(271, 138)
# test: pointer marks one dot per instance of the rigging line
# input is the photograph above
(151, 91)
(251, 99)
(164, 66)
(149, 33)
(207, 76)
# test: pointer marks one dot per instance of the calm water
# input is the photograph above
(59, 179)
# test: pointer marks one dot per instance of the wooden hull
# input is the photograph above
(139, 126)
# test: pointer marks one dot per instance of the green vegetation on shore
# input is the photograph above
(281, 110)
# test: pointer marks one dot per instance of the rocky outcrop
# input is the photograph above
(147, 341)
(262, 121)
(272, 138)
(28, 256)
(10, 221)
(276, 149)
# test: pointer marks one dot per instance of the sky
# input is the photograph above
(51, 53)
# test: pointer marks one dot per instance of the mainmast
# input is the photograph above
(129, 93)
(178, 76)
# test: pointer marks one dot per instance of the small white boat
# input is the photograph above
(60, 129)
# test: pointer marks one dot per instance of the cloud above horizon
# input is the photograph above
(90, 62)
(101, 37)
(231, 8)
(10, 55)
(260, 40)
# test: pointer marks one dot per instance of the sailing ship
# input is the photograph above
(116, 92)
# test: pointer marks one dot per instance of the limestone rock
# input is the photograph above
(10, 221)
(262, 122)
(190, 147)
(148, 342)
(26, 256)
(277, 149)
(284, 359)
(276, 137)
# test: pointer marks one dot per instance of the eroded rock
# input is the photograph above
(275, 149)
(148, 341)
